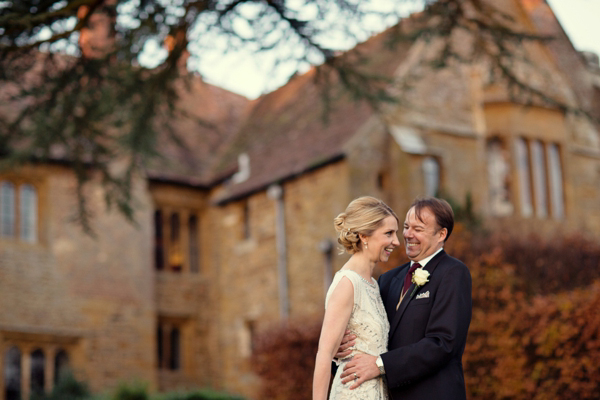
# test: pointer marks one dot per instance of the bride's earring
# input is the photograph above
(366, 245)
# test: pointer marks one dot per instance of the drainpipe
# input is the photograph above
(275, 192)
(326, 247)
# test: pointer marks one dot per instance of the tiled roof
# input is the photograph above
(565, 55)
(208, 117)
(286, 134)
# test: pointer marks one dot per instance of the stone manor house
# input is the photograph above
(234, 233)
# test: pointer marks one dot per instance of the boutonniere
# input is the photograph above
(419, 277)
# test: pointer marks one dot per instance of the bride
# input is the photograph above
(368, 231)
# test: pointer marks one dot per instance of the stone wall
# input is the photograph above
(583, 184)
(247, 266)
(92, 296)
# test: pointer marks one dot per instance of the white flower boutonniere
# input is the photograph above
(420, 277)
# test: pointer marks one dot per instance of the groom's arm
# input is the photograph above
(344, 351)
(445, 335)
(365, 368)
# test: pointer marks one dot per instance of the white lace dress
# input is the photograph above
(369, 323)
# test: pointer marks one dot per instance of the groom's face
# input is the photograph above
(422, 236)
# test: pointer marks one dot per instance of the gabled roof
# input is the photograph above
(286, 133)
(208, 117)
(568, 59)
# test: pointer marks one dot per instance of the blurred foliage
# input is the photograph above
(139, 392)
(287, 350)
(464, 213)
(535, 332)
(202, 394)
(553, 265)
(136, 391)
(534, 335)
(69, 388)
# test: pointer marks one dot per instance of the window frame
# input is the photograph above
(556, 180)
(168, 329)
(523, 170)
(539, 178)
(170, 245)
(28, 213)
(18, 217)
(49, 348)
(500, 193)
(542, 179)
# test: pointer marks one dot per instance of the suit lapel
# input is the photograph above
(430, 267)
(394, 302)
(395, 290)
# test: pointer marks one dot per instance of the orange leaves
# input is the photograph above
(284, 358)
(529, 338)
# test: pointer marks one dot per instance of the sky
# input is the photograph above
(581, 20)
(252, 76)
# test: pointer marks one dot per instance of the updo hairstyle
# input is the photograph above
(362, 216)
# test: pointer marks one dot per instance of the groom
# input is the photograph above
(429, 322)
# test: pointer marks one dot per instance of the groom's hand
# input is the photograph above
(345, 347)
(363, 365)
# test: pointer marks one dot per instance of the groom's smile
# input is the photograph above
(422, 236)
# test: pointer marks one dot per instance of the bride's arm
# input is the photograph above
(337, 315)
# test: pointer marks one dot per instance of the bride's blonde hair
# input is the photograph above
(362, 216)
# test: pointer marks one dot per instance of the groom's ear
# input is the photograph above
(443, 234)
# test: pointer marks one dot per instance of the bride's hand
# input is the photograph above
(345, 347)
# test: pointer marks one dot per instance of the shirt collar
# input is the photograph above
(424, 261)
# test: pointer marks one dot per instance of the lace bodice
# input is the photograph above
(369, 323)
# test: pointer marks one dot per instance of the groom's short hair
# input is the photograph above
(444, 216)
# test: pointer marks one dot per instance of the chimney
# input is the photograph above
(97, 37)
(591, 59)
(175, 43)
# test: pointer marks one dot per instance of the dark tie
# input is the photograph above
(408, 278)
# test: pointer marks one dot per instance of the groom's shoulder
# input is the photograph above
(449, 262)
(454, 260)
(448, 259)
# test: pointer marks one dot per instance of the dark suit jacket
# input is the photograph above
(427, 334)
